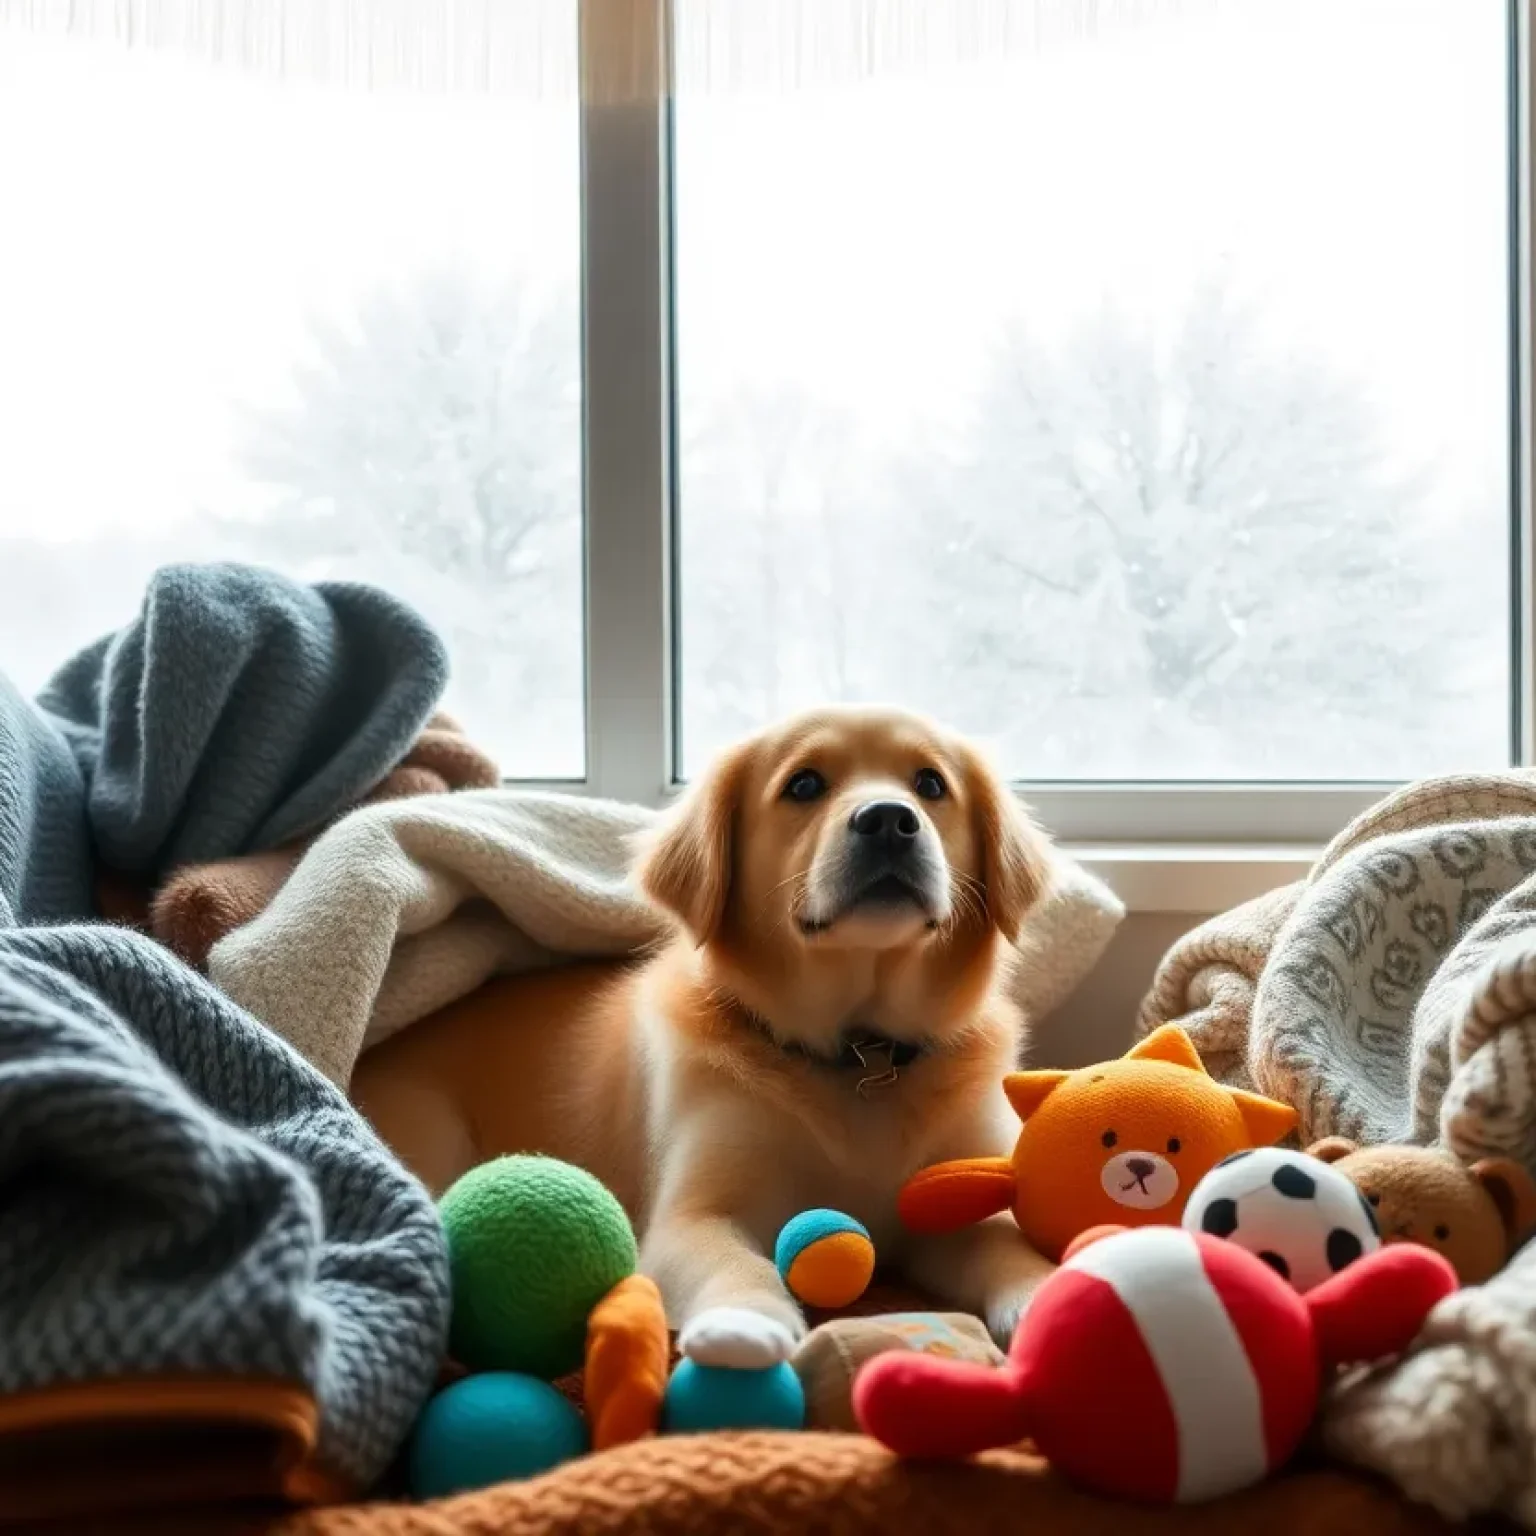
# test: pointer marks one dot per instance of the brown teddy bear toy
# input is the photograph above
(1475, 1217)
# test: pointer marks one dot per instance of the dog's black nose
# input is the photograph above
(889, 820)
(1140, 1167)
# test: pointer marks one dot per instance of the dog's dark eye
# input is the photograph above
(1109, 1138)
(1173, 1143)
(928, 784)
(1441, 1233)
(1374, 1199)
(805, 785)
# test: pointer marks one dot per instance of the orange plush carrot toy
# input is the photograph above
(1122, 1143)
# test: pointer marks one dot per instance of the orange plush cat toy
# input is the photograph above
(1122, 1143)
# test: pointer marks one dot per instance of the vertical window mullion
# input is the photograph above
(1523, 382)
(626, 346)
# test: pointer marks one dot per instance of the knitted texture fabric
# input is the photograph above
(45, 845)
(201, 903)
(145, 1235)
(1207, 980)
(239, 711)
(182, 1199)
(765, 1484)
(1395, 1001)
(402, 909)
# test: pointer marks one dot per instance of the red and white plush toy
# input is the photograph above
(1158, 1364)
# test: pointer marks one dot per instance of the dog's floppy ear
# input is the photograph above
(1331, 1148)
(1015, 855)
(685, 866)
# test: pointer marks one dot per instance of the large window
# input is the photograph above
(265, 310)
(1136, 397)
(1132, 385)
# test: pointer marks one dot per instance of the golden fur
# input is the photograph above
(687, 1081)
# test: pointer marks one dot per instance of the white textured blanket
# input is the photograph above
(1391, 996)
(403, 907)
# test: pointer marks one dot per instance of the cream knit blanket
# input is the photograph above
(403, 907)
(1391, 996)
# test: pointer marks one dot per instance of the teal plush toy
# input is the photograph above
(491, 1429)
(533, 1245)
(704, 1397)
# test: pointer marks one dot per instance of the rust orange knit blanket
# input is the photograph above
(839, 1485)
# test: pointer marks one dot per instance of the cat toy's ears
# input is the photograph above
(1027, 1091)
(1266, 1120)
(949, 1196)
(1169, 1043)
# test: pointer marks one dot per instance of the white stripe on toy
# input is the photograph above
(1205, 1372)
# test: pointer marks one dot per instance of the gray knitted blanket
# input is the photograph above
(181, 1196)
(1391, 997)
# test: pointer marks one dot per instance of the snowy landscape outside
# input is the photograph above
(1140, 405)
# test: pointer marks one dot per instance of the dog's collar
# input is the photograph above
(878, 1057)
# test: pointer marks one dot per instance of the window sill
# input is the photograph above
(1192, 879)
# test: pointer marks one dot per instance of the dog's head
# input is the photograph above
(844, 833)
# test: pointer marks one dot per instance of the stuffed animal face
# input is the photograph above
(1124, 1142)
(1475, 1217)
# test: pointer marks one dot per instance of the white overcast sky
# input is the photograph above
(166, 227)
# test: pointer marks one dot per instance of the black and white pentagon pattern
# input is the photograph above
(1300, 1215)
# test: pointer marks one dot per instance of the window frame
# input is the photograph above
(1175, 847)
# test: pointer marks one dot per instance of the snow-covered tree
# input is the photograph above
(1174, 551)
(434, 445)
(1177, 553)
(771, 591)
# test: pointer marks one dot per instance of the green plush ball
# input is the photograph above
(533, 1245)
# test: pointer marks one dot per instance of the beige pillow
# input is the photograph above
(831, 1355)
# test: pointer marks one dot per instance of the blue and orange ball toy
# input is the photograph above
(826, 1259)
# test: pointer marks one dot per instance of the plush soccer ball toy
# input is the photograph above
(1306, 1220)
(1158, 1364)
(1121, 1143)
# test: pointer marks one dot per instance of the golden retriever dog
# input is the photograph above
(829, 1015)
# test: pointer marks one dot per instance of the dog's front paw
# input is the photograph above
(736, 1338)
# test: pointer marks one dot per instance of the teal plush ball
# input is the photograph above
(533, 1245)
(703, 1397)
(826, 1258)
(490, 1429)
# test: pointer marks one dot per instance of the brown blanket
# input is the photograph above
(699, 1485)
(835, 1485)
